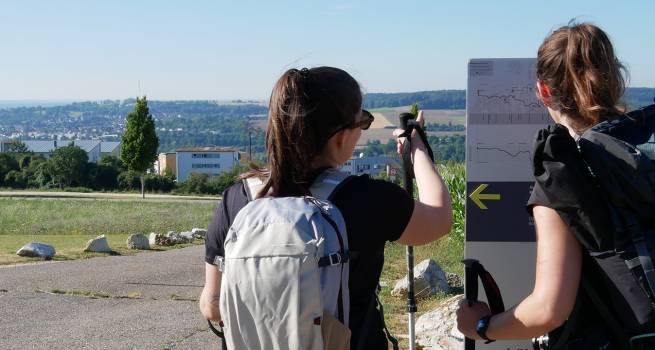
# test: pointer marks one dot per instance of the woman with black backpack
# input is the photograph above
(315, 121)
(586, 296)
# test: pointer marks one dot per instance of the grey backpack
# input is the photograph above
(285, 264)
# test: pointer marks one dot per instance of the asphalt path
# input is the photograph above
(145, 301)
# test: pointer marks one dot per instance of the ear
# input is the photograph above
(544, 93)
(340, 138)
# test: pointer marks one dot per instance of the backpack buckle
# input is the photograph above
(219, 261)
(332, 259)
(335, 258)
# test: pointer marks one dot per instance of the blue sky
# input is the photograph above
(237, 49)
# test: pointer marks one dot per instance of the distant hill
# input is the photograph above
(456, 99)
(200, 123)
(639, 97)
(441, 99)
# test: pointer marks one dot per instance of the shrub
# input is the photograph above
(158, 183)
(129, 180)
(15, 179)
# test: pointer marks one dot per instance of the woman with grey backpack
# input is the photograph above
(295, 251)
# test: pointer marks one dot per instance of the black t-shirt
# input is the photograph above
(375, 211)
(585, 317)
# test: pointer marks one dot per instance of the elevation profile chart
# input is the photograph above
(503, 115)
(510, 101)
(501, 152)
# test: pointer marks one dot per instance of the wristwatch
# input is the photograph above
(481, 328)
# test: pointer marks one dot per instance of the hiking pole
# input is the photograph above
(405, 119)
(470, 293)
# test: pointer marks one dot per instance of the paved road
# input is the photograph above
(33, 318)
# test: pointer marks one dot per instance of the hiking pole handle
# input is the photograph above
(404, 120)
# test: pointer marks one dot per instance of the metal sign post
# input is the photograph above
(503, 114)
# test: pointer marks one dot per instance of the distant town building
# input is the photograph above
(110, 148)
(93, 148)
(374, 166)
(208, 160)
(166, 161)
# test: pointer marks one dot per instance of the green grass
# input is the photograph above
(90, 294)
(68, 224)
(99, 216)
(447, 252)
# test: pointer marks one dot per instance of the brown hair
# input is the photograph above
(578, 64)
(306, 107)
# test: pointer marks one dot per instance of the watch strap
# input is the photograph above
(481, 328)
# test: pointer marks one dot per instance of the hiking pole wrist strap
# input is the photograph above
(409, 124)
(473, 271)
(220, 333)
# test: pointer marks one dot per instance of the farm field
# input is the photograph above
(381, 130)
(441, 116)
(387, 118)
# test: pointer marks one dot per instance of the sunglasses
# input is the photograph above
(364, 123)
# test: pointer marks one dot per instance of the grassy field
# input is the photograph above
(447, 252)
(69, 223)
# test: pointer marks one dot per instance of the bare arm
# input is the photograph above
(432, 217)
(559, 263)
(210, 293)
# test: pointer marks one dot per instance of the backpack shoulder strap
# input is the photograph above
(323, 187)
(328, 182)
(252, 185)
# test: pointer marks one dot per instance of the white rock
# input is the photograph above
(172, 238)
(98, 245)
(138, 241)
(429, 279)
(199, 233)
(37, 249)
(437, 329)
(188, 236)
(152, 238)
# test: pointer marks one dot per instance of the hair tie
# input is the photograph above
(304, 72)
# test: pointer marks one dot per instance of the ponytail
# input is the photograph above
(578, 64)
(306, 106)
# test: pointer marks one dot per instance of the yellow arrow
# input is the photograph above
(477, 196)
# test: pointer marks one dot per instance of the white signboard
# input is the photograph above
(503, 115)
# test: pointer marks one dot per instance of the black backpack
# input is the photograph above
(603, 187)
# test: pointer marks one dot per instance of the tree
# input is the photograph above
(196, 183)
(15, 179)
(69, 166)
(107, 172)
(7, 164)
(414, 110)
(17, 146)
(140, 142)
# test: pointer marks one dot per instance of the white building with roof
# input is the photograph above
(374, 166)
(208, 160)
